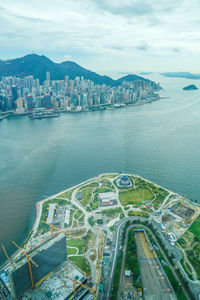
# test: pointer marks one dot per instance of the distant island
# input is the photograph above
(145, 73)
(190, 87)
(186, 75)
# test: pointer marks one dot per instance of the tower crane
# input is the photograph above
(53, 227)
(79, 283)
(4, 250)
(30, 260)
(182, 202)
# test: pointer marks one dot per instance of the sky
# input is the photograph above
(105, 36)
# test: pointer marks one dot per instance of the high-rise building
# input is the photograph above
(19, 106)
(30, 103)
(46, 101)
(48, 76)
(14, 96)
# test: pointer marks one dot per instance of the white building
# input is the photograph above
(67, 216)
(109, 198)
(51, 212)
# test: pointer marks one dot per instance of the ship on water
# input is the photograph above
(42, 113)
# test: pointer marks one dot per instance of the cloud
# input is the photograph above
(138, 8)
(142, 46)
(176, 50)
(104, 34)
(67, 57)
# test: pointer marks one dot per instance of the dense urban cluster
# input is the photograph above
(24, 94)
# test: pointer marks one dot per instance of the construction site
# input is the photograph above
(40, 269)
(177, 216)
(70, 250)
(43, 273)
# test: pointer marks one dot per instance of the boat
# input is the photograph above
(42, 113)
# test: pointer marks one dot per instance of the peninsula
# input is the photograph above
(84, 239)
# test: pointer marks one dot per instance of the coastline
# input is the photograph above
(40, 203)
(101, 107)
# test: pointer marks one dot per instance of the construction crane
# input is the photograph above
(6, 254)
(29, 263)
(52, 227)
(182, 202)
(79, 283)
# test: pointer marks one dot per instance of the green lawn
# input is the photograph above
(110, 176)
(71, 251)
(103, 189)
(135, 196)
(148, 185)
(86, 193)
(82, 263)
(67, 194)
(91, 184)
(137, 214)
(91, 221)
(187, 240)
(95, 203)
(105, 182)
(77, 214)
(112, 212)
(195, 228)
(80, 243)
(159, 200)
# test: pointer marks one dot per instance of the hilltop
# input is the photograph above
(37, 65)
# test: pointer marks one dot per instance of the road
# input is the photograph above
(115, 252)
(154, 281)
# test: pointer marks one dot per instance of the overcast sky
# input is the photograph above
(105, 35)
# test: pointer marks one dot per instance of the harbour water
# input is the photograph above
(159, 141)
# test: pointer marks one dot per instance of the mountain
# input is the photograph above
(131, 77)
(37, 65)
(186, 75)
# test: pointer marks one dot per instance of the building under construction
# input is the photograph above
(183, 211)
(46, 258)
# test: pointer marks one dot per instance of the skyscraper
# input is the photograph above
(14, 96)
(48, 78)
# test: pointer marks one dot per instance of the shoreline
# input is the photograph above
(40, 202)
(137, 102)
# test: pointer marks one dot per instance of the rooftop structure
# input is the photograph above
(183, 212)
(67, 216)
(124, 181)
(127, 273)
(109, 198)
(79, 196)
(51, 212)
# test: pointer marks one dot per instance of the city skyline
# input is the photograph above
(22, 95)
(106, 37)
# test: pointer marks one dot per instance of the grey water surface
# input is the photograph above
(159, 141)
